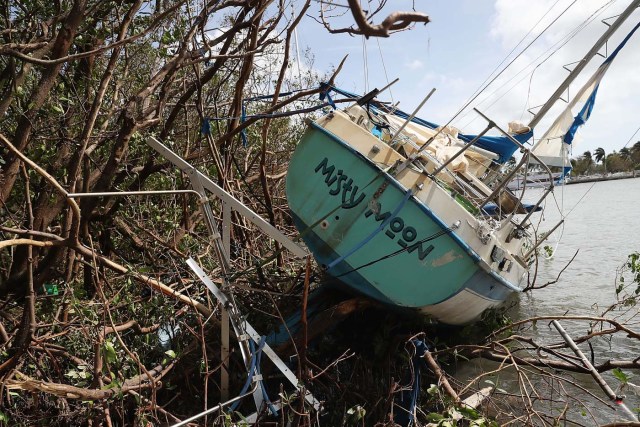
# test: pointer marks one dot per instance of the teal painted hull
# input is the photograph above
(402, 254)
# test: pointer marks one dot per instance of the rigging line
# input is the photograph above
(555, 247)
(295, 34)
(365, 64)
(367, 239)
(482, 89)
(519, 43)
(634, 134)
(583, 196)
(399, 251)
(560, 44)
(384, 68)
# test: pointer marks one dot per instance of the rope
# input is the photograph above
(254, 369)
(367, 239)
(410, 394)
(205, 128)
(365, 64)
(250, 372)
(517, 56)
(265, 396)
(399, 251)
(562, 42)
(384, 68)
(300, 236)
(634, 134)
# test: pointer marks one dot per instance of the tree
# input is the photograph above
(86, 285)
(586, 161)
(396, 21)
(600, 156)
(626, 156)
(625, 153)
(635, 153)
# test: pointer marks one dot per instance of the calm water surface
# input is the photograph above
(603, 224)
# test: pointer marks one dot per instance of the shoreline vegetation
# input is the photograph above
(598, 178)
(627, 160)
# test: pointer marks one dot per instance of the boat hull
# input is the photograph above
(366, 230)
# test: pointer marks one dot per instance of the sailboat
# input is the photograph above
(419, 216)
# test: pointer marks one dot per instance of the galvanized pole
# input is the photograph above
(594, 373)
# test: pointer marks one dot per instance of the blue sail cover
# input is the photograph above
(586, 110)
(500, 145)
(582, 116)
(554, 147)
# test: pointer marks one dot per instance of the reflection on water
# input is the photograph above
(603, 225)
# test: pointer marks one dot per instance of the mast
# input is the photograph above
(583, 63)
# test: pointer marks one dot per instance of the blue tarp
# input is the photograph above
(500, 145)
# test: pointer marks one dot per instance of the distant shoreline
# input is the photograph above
(613, 177)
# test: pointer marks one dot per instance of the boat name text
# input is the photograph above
(407, 233)
(338, 181)
(342, 183)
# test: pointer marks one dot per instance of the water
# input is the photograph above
(603, 225)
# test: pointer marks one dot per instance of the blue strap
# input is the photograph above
(366, 240)
(325, 90)
(243, 133)
(252, 368)
(206, 127)
(272, 408)
(409, 396)
(270, 96)
(417, 361)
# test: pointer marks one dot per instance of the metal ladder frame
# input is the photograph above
(230, 314)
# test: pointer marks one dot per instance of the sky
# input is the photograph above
(468, 39)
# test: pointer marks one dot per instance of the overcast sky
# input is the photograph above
(468, 39)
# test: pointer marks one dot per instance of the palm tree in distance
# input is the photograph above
(635, 156)
(635, 152)
(627, 156)
(585, 163)
(600, 156)
(625, 153)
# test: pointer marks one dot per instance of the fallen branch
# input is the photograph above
(71, 392)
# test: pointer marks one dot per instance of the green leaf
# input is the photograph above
(110, 352)
(468, 412)
(434, 417)
(432, 390)
(621, 376)
(171, 354)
